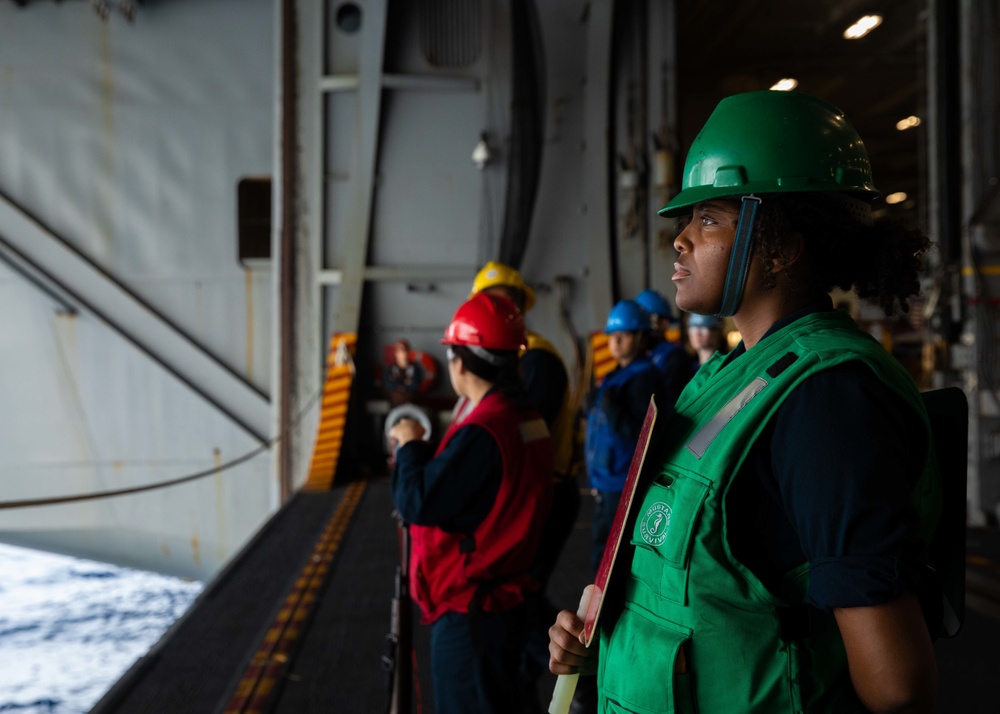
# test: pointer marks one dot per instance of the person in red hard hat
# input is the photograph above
(476, 506)
(404, 376)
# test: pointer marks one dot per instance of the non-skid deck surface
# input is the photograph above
(335, 663)
(197, 664)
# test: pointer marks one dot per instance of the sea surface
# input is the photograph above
(69, 628)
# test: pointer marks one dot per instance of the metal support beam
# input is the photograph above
(980, 245)
(350, 82)
(386, 273)
(663, 143)
(370, 77)
(596, 168)
(297, 244)
(72, 274)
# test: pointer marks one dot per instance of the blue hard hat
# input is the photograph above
(655, 303)
(709, 321)
(628, 316)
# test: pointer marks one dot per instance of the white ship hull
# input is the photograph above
(122, 146)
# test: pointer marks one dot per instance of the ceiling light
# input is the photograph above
(908, 123)
(897, 197)
(785, 85)
(862, 27)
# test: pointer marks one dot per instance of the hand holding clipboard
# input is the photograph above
(593, 595)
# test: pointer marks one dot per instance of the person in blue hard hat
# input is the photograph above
(615, 415)
(704, 333)
(668, 356)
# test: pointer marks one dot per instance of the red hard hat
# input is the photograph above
(488, 321)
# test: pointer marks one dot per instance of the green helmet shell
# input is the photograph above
(773, 142)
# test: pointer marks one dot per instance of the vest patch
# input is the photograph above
(655, 523)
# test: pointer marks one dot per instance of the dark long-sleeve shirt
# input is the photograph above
(454, 490)
(829, 482)
(545, 382)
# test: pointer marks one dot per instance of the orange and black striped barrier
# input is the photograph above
(340, 373)
(603, 362)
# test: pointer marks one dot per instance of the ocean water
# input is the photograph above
(69, 628)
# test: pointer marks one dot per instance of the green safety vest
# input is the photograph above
(697, 631)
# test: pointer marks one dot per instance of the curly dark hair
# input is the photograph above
(881, 262)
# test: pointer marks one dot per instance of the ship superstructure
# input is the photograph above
(203, 206)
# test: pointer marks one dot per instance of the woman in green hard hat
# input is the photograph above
(775, 550)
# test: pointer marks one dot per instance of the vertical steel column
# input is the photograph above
(370, 77)
(662, 144)
(596, 162)
(944, 90)
(288, 87)
(296, 237)
(980, 254)
(976, 515)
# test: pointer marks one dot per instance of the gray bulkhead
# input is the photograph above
(393, 101)
(138, 348)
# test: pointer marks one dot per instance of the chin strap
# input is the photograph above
(739, 259)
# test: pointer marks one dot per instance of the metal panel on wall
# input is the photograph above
(123, 144)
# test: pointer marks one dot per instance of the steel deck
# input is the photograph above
(296, 624)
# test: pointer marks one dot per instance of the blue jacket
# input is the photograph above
(674, 364)
(615, 420)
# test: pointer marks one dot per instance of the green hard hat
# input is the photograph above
(773, 142)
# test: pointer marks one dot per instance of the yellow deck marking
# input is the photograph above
(271, 659)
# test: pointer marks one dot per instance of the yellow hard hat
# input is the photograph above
(496, 274)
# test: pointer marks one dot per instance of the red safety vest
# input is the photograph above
(447, 568)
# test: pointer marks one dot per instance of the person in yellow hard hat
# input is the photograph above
(546, 384)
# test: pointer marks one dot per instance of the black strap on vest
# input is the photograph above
(783, 363)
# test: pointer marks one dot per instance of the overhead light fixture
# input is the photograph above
(862, 27)
(908, 123)
(785, 85)
(897, 197)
